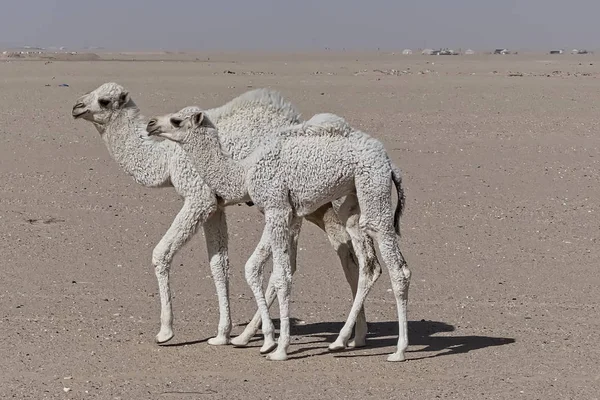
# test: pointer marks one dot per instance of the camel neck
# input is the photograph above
(223, 174)
(145, 160)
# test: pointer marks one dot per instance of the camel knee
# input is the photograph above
(161, 270)
(161, 259)
(401, 276)
(160, 255)
(405, 274)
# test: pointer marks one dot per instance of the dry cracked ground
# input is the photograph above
(500, 159)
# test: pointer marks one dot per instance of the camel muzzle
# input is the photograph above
(78, 110)
(151, 128)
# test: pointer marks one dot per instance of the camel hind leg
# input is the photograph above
(328, 219)
(369, 271)
(377, 220)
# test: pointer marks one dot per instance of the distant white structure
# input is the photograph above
(575, 51)
(469, 52)
(427, 52)
(407, 52)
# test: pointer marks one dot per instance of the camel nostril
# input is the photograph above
(152, 122)
(78, 105)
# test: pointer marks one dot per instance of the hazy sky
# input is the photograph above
(301, 24)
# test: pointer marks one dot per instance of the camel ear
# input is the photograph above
(198, 118)
(123, 99)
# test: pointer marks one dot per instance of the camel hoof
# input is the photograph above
(268, 347)
(277, 356)
(240, 341)
(218, 341)
(164, 337)
(337, 346)
(396, 357)
(355, 344)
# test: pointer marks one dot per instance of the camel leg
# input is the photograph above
(369, 271)
(215, 233)
(329, 221)
(183, 227)
(253, 326)
(400, 277)
(254, 276)
(278, 221)
(377, 220)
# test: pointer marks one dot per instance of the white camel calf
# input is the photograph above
(293, 173)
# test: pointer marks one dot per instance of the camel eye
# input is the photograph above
(104, 102)
(176, 122)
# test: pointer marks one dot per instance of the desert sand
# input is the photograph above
(500, 161)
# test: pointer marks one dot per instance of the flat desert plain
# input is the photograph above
(500, 160)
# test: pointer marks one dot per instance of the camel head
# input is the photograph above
(180, 129)
(169, 122)
(99, 105)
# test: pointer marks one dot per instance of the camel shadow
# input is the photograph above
(381, 334)
(385, 334)
(181, 344)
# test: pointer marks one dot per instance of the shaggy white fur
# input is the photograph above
(160, 163)
(290, 175)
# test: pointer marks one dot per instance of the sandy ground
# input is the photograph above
(500, 159)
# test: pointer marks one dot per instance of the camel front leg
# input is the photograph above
(243, 339)
(183, 227)
(215, 233)
(254, 271)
